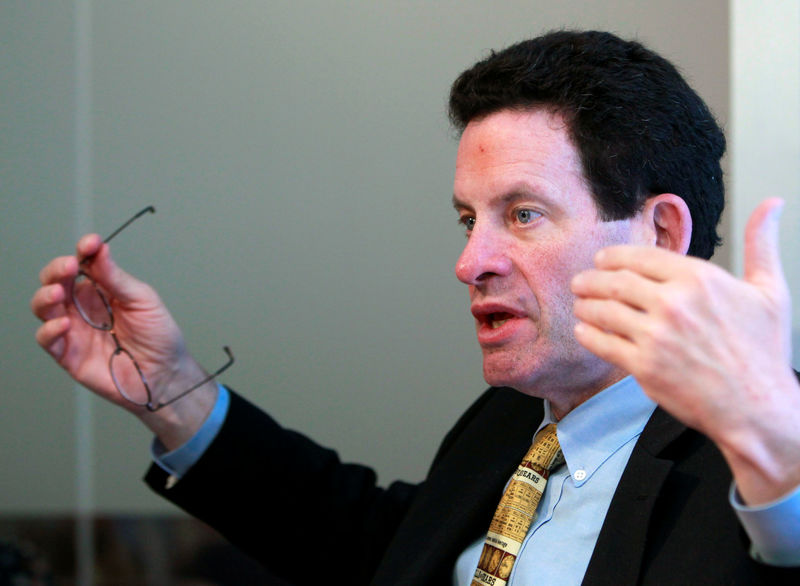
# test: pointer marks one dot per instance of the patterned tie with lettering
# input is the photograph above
(517, 509)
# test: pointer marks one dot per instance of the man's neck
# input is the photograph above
(564, 400)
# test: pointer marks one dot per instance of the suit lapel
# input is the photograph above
(618, 554)
(456, 503)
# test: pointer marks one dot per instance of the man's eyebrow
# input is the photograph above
(460, 205)
(519, 194)
(512, 196)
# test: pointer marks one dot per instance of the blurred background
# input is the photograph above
(300, 161)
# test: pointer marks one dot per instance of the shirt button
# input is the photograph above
(580, 475)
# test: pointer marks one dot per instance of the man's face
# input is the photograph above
(531, 225)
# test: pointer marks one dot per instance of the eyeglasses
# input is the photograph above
(128, 377)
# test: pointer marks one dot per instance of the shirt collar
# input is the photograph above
(593, 431)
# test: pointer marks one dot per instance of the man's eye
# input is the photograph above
(524, 216)
(468, 222)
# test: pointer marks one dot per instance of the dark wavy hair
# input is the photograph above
(639, 128)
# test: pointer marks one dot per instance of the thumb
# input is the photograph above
(762, 259)
(115, 281)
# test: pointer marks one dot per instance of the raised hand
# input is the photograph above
(711, 349)
(142, 324)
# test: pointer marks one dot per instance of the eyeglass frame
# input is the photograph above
(149, 405)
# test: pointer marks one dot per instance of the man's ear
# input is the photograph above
(667, 222)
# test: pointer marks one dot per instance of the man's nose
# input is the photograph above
(485, 255)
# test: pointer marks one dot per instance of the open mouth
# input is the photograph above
(497, 319)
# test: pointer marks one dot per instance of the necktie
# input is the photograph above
(516, 510)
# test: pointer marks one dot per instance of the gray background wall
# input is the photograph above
(300, 161)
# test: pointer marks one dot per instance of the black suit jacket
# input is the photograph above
(311, 519)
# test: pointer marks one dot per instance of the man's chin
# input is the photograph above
(513, 364)
(525, 373)
(503, 374)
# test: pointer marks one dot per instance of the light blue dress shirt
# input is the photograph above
(597, 438)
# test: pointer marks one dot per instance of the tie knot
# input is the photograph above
(545, 451)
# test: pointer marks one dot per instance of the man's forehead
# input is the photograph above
(511, 151)
(511, 136)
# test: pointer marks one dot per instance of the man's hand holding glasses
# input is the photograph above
(112, 333)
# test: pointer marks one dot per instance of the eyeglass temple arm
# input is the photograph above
(148, 209)
(228, 364)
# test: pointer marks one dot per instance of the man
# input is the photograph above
(587, 169)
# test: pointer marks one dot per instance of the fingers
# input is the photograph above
(610, 316)
(762, 261)
(50, 336)
(115, 281)
(654, 263)
(49, 305)
(88, 246)
(620, 285)
(48, 302)
(611, 348)
(59, 269)
(65, 268)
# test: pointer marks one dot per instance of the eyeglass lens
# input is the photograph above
(91, 303)
(128, 377)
